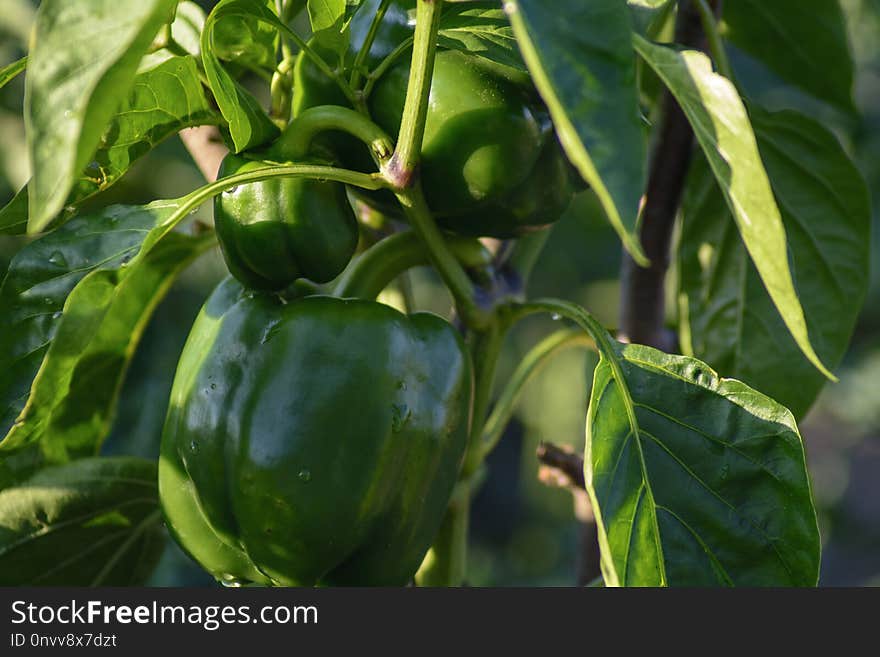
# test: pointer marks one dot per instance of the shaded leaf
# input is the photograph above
(649, 15)
(581, 60)
(186, 30)
(249, 125)
(92, 522)
(82, 63)
(72, 308)
(481, 30)
(14, 215)
(696, 480)
(329, 27)
(8, 72)
(803, 41)
(727, 318)
(723, 130)
(163, 101)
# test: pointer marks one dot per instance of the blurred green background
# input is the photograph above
(524, 533)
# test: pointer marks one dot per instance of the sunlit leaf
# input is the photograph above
(727, 317)
(82, 62)
(92, 522)
(723, 130)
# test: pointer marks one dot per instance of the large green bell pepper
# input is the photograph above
(313, 442)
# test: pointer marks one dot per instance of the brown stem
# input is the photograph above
(206, 147)
(642, 309)
(560, 466)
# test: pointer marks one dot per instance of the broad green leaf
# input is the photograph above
(92, 522)
(9, 71)
(72, 308)
(483, 31)
(695, 480)
(329, 27)
(186, 30)
(727, 318)
(82, 62)
(723, 130)
(14, 215)
(19, 464)
(163, 101)
(581, 59)
(649, 15)
(803, 41)
(247, 41)
(249, 125)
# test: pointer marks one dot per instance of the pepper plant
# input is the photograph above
(316, 436)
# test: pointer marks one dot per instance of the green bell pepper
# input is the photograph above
(491, 162)
(275, 231)
(316, 441)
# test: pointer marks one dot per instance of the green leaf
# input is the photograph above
(92, 522)
(14, 215)
(581, 59)
(695, 480)
(247, 41)
(163, 101)
(249, 125)
(186, 30)
(727, 317)
(329, 27)
(803, 41)
(72, 308)
(648, 15)
(721, 125)
(483, 31)
(82, 63)
(8, 72)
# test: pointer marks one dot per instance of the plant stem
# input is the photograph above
(361, 57)
(486, 349)
(525, 253)
(281, 91)
(379, 265)
(716, 45)
(294, 143)
(415, 108)
(530, 365)
(453, 274)
(384, 65)
(318, 172)
(446, 563)
(643, 291)
(323, 66)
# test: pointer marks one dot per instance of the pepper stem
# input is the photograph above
(295, 141)
(415, 108)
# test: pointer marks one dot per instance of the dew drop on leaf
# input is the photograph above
(58, 259)
(305, 476)
(555, 317)
(56, 315)
(400, 414)
(231, 581)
